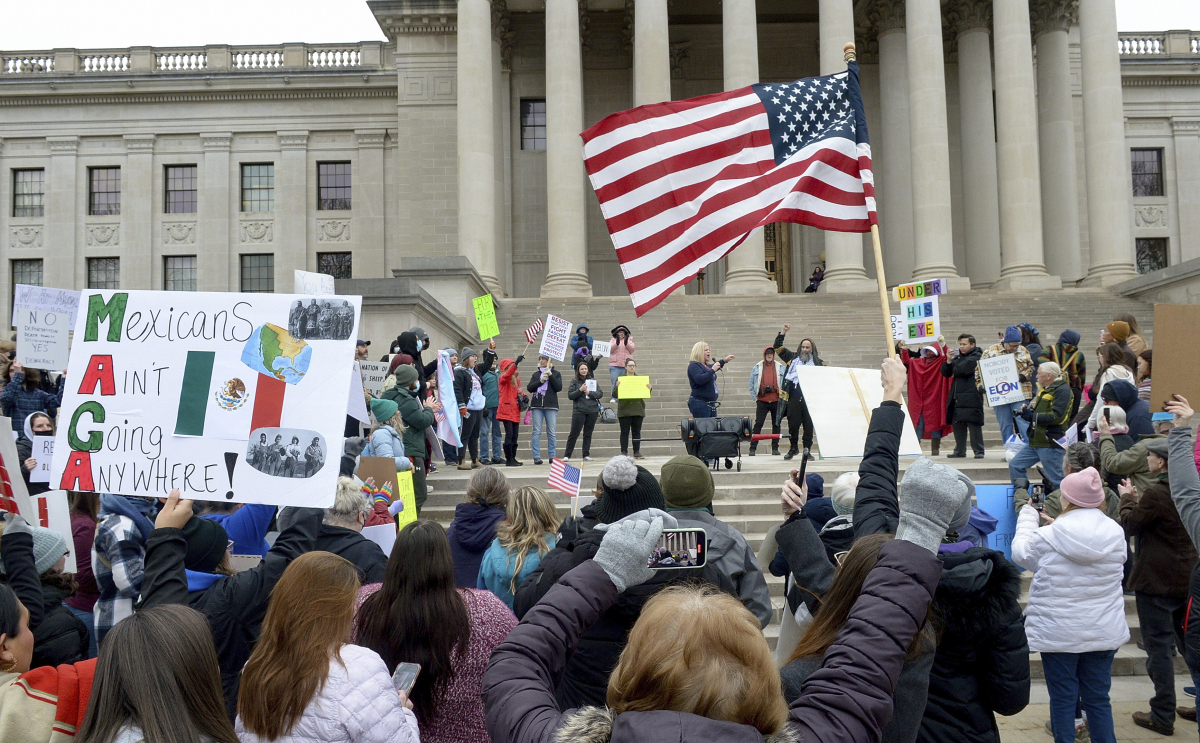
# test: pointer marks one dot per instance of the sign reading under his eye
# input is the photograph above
(920, 320)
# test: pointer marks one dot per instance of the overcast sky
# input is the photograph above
(98, 25)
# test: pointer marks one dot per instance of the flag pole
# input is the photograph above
(850, 56)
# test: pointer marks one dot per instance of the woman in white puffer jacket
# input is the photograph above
(1076, 612)
(304, 682)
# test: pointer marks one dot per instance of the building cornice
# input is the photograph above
(408, 17)
(195, 97)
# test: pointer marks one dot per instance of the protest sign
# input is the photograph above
(383, 470)
(591, 385)
(46, 299)
(921, 320)
(840, 401)
(43, 340)
(601, 348)
(1175, 363)
(373, 374)
(314, 284)
(356, 406)
(43, 452)
(485, 317)
(406, 492)
(14, 496)
(54, 512)
(1001, 382)
(997, 501)
(383, 534)
(208, 393)
(632, 387)
(556, 340)
(898, 327)
(920, 290)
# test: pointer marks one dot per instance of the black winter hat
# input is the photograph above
(628, 489)
(207, 543)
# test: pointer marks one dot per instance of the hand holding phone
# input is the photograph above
(679, 548)
(1037, 497)
(405, 677)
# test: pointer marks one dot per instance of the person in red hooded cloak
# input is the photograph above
(927, 392)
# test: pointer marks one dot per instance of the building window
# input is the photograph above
(1151, 254)
(181, 190)
(258, 188)
(27, 271)
(337, 265)
(104, 188)
(533, 123)
(258, 272)
(29, 192)
(179, 273)
(333, 186)
(1147, 172)
(104, 273)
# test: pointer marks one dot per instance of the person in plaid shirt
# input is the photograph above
(1006, 414)
(117, 556)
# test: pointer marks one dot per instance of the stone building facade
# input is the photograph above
(1004, 133)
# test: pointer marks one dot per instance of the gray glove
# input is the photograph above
(18, 525)
(930, 496)
(625, 551)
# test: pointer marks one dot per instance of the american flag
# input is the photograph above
(564, 477)
(682, 183)
(533, 331)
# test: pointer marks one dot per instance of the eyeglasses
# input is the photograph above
(230, 546)
(838, 557)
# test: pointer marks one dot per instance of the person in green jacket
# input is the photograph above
(630, 413)
(417, 418)
(1130, 463)
(1047, 414)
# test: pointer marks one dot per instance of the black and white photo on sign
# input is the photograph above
(321, 319)
(286, 452)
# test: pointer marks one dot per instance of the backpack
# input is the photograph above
(607, 414)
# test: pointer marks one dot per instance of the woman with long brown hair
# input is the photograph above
(1112, 368)
(417, 616)
(305, 680)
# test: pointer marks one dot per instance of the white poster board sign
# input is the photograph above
(556, 339)
(601, 348)
(43, 338)
(224, 396)
(1001, 382)
(54, 512)
(921, 320)
(384, 535)
(897, 327)
(356, 408)
(43, 452)
(373, 374)
(46, 299)
(314, 284)
(840, 404)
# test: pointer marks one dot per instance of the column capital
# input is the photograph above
(139, 143)
(886, 15)
(679, 53)
(1052, 15)
(585, 30)
(866, 46)
(63, 145)
(1185, 127)
(502, 31)
(962, 16)
(216, 141)
(627, 20)
(297, 140)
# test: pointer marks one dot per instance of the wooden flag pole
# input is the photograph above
(849, 55)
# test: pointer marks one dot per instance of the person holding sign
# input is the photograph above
(544, 386)
(36, 425)
(509, 412)
(1006, 413)
(630, 412)
(585, 409)
(468, 388)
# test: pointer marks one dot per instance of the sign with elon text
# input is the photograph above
(1001, 382)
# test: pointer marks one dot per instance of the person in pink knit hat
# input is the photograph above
(1078, 563)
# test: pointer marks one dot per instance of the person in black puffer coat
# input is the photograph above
(964, 405)
(628, 489)
(58, 636)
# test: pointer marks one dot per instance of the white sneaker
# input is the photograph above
(565, 459)
(587, 459)
(612, 399)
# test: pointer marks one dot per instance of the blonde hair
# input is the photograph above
(348, 503)
(531, 516)
(698, 351)
(396, 422)
(719, 667)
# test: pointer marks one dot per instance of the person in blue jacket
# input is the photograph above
(386, 439)
(246, 524)
(702, 375)
(491, 433)
(581, 339)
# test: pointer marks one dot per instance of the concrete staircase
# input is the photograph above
(847, 331)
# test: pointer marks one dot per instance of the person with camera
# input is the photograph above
(765, 378)
(1047, 414)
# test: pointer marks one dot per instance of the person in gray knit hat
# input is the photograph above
(59, 636)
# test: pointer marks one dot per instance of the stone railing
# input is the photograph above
(1159, 45)
(187, 60)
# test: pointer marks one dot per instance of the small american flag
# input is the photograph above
(564, 477)
(683, 183)
(534, 330)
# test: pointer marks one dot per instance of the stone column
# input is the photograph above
(893, 158)
(1109, 183)
(1022, 265)
(215, 272)
(476, 140)
(844, 270)
(1056, 137)
(566, 223)
(932, 220)
(367, 227)
(63, 263)
(290, 239)
(1187, 184)
(137, 210)
(652, 52)
(746, 267)
(971, 20)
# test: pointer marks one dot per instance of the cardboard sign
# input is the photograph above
(921, 320)
(630, 387)
(601, 348)
(314, 284)
(211, 393)
(485, 317)
(54, 512)
(1175, 363)
(840, 401)
(1001, 382)
(998, 501)
(43, 340)
(898, 327)
(920, 291)
(556, 339)
(43, 452)
(14, 496)
(46, 299)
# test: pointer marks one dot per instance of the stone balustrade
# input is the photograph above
(1159, 45)
(205, 60)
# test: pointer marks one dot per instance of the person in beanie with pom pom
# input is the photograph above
(629, 492)
(1076, 612)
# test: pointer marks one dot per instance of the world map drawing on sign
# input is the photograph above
(272, 351)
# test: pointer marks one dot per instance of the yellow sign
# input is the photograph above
(631, 387)
(485, 317)
(406, 493)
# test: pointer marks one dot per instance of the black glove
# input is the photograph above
(519, 360)
(1028, 414)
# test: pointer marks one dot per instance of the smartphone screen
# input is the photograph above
(1037, 496)
(406, 676)
(679, 548)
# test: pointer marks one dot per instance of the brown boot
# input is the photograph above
(464, 464)
(475, 464)
(935, 447)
